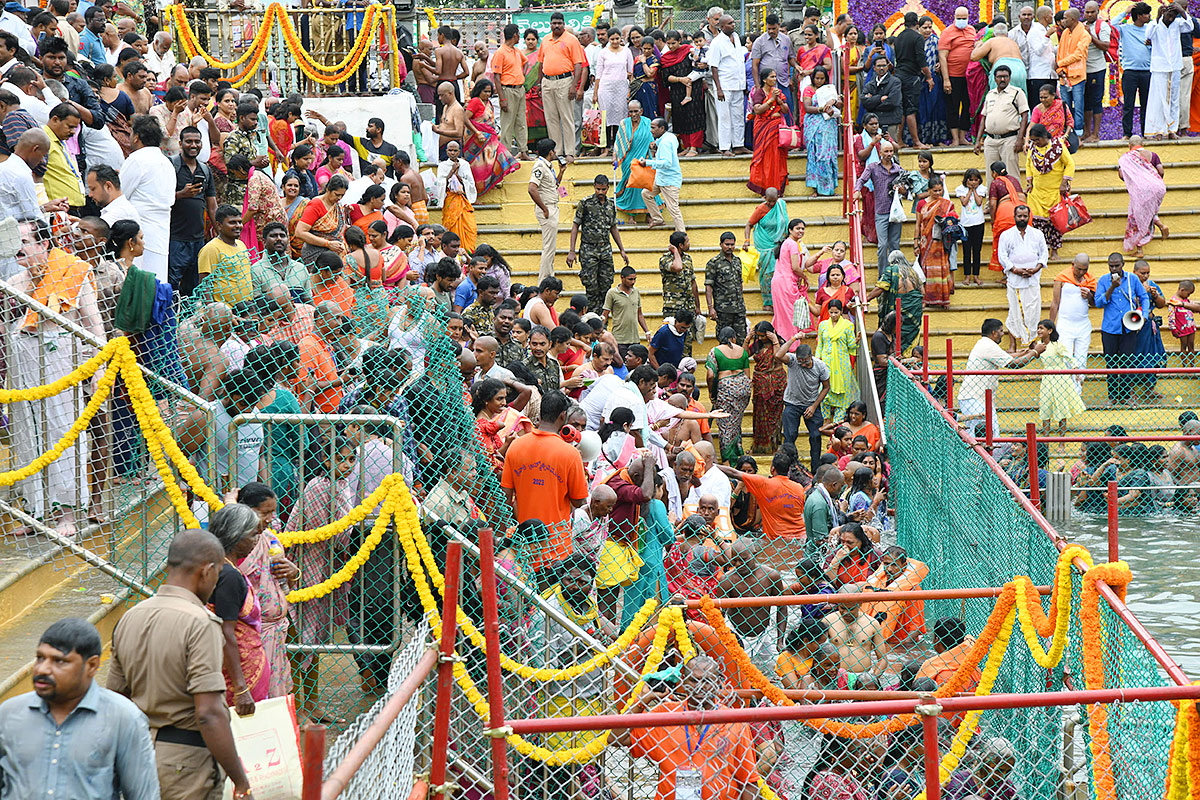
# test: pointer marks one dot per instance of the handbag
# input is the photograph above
(593, 127)
(897, 214)
(1070, 213)
(640, 176)
(268, 744)
(950, 229)
(790, 138)
(801, 315)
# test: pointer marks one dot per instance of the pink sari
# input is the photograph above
(273, 616)
(1146, 190)
(255, 667)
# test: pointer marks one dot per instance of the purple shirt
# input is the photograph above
(881, 180)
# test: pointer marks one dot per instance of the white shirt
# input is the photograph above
(34, 106)
(594, 402)
(119, 209)
(1019, 251)
(1043, 55)
(715, 483)
(986, 354)
(1073, 320)
(148, 180)
(591, 53)
(354, 191)
(450, 178)
(730, 63)
(162, 65)
(1018, 35)
(18, 194)
(1166, 50)
(972, 210)
(13, 24)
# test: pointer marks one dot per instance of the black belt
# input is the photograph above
(560, 75)
(1001, 135)
(169, 733)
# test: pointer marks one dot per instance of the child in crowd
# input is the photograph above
(794, 663)
(810, 579)
(1182, 324)
(700, 59)
(692, 564)
(972, 194)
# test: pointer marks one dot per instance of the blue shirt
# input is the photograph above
(466, 293)
(1128, 295)
(1134, 52)
(666, 161)
(101, 749)
(91, 48)
(668, 346)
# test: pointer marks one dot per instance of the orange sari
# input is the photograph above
(939, 281)
(1004, 217)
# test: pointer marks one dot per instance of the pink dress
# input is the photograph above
(786, 289)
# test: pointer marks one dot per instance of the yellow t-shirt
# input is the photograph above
(230, 267)
(62, 173)
(788, 662)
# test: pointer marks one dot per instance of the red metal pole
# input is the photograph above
(1112, 522)
(929, 733)
(925, 349)
(950, 374)
(899, 352)
(857, 597)
(1035, 491)
(312, 761)
(989, 408)
(491, 631)
(1150, 438)
(445, 678)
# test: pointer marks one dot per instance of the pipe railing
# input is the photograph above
(876, 596)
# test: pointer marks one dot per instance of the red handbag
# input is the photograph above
(1070, 213)
(791, 138)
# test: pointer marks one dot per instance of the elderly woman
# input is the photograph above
(270, 575)
(246, 669)
(633, 144)
(990, 780)
(899, 281)
(1142, 173)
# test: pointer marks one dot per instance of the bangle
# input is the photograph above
(242, 692)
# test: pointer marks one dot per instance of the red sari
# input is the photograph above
(1004, 217)
(826, 293)
(939, 281)
(769, 165)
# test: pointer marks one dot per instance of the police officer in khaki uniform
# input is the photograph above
(543, 188)
(166, 657)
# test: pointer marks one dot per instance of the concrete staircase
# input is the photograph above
(714, 198)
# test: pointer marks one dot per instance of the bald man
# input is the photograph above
(713, 480)
(160, 58)
(18, 192)
(857, 636)
(484, 349)
(452, 124)
(746, 577)
(200, 340)
(449, 66)
(1038, 51)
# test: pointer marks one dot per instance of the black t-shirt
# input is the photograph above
(230, 594)
(361, 144)
(187, 215)
(910, 52)
(881, 345)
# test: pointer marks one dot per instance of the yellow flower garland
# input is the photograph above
(75, 377)
(191, 44)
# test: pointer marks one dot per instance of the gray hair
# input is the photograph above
(1000, 29)
(997, 748)
(232, 524)
(715, 11)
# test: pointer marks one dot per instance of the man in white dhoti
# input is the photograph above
(1074, 289)
(1166, 63)
(1023, 255)
(41, 352)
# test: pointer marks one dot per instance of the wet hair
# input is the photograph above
(807, 631)
(73, 635)
(949, 631)
(483, 392)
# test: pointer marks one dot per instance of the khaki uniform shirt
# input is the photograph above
(543, 175)
(1002, 110)
(165, 650)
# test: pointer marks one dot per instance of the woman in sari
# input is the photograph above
(1146, 189)
(931, 108)
(811, 56)
(489, 159)
(1004, 195)
(633, 144)
(836, 342)
(294, 204)
(535, 111)
(323, 223)
(261, 203)
(335, 164)
(496, 425)
(368, 209)
(939, 281)
(393, 259)
(768, 383)
(1050, 112)
(1051, 169)
(856, 51)
(399, 211)
(729, 389)
(789, 286)
(822, 111)
(270, 576)
(247, 672)
(364, 268)
(769, 164)
(834, 288)
(769, 225)
(644, 86)
(687, 118)
(899, 281)
(279, 126)
(455, 191)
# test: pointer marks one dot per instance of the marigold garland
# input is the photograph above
(1183, 773)
(73, 378)
(1116, 576)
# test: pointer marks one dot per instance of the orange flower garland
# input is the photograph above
(192, 47)
(362, 41)
(1117, 576)
(1183, 773)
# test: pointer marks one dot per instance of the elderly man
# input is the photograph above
(1040, 55)
(18, 192)
(317, 364)
(1001, 51)
(954, 55)
(160, 59)
(727, 62)
(1005, 120)
(746, 577)
(200, 340)
(1166, 64)
(1074, 292)
(1023, 255)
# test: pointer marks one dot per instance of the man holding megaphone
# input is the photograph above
(1126, 306)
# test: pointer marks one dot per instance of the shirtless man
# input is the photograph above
(134, 85)
(858, 637)
(684, 430)
(998, 47)
(1183, 460)
(425, 72)
(416, 187)
(200, 341)
(684, 471)
(481, 62)
(450, 66)
(745, 577)
(452, 118)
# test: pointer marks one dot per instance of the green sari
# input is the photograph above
(900, 282)
(631, 146)
(768, 232)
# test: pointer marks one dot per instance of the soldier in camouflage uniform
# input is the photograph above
(481, 314)
(723, 288)
(545, 367)
(679, 282)
(510, 349)
(596, 218)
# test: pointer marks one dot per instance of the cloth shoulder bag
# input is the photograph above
(640, 176)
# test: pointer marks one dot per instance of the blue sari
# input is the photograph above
(767, 233)
(1150, 352)
(643, 90)
(821, 148)
(631, 146)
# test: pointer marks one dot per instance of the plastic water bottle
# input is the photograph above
(274, 546)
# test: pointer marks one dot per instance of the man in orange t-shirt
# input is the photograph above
(318, 364)
(954, 55)
(508, 67)
(562, 60)
(705, 762)
(780, 499)
(1072, 65)
(951, 645)
(543, 479)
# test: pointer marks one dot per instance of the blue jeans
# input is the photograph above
(1072, 97)
(183, 263)
(888, 234)
(792, 415)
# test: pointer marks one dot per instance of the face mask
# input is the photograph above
(960, 23)
(1022, 224)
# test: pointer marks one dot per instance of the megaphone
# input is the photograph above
(1133, 319)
